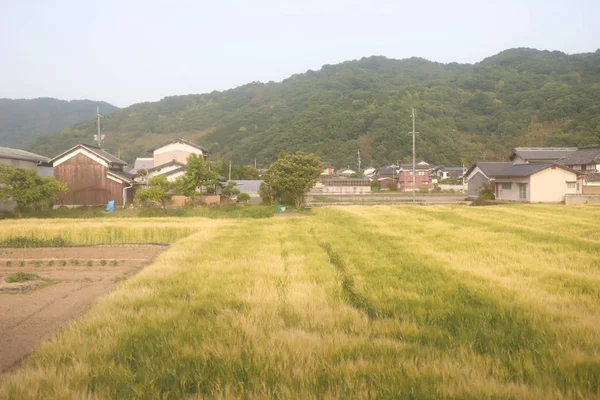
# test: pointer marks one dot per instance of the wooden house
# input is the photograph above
(94, 177)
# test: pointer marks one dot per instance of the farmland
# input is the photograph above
(348, 302)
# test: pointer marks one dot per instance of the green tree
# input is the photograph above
(27, 189)
(196, 176)
(294, 175)
(243, 197)
(230, 190)
(267, 193)
(159, 192)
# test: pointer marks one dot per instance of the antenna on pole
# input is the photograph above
(414, 177)
(99, 137)
(229, 169)
(358, 160)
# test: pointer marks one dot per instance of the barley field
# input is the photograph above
(388, 302)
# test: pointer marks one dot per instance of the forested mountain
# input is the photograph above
(464, 112)
(21, 121)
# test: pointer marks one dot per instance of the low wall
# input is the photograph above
(574, 199)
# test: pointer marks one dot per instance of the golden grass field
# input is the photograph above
(389, 302)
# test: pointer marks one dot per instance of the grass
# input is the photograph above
(21, 277)
(226, 211)
(350, 302)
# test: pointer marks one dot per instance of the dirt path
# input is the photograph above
(27, 318)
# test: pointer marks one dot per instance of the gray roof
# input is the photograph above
(582, 156)
(346, 181)
(122, 174)
(181, 140)
(542, 153)
(93, 149)
(523, 170)
(248, 186)
(489, 168)
(595, 177)
(142, 163)
(16, 154)
(167, 164)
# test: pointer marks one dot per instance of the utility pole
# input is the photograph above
(414, 173)
(358, 160)
(99, 136)
(255, 164)
(229, 169)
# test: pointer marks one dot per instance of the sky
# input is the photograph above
(125, 52)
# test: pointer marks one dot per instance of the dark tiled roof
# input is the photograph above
(248, 186)
(489, 168)
(181, 140)
(16, 154)
(386, 171)
(95, 150)
(517, 170)
(122, 174)
(595, 177)
(542, 153)
(408, 167)
(142, 163)
(584, 155)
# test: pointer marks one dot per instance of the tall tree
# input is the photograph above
(197, 175)
(26, 188)
(158, 192)
(294, 175)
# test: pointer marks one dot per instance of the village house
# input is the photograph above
(346, 172)
(328, 170)
(537, 183)
(23, 159)
(345, 186)
(169, 158)
(422, 178)
(94, 177)
(587, 161)
(482, 172)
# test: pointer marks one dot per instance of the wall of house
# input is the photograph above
(164, 170)
(174, 151)
(512, 194)
(476, 183)
(406, 179)
(591, 189)
(550, 185)
(88, 183)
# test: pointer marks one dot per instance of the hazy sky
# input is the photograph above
(126, 52)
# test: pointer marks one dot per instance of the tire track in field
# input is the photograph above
(351, 296)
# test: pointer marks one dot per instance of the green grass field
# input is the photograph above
(387, 302)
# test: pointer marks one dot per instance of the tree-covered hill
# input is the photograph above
(464, 112)
(21, 121)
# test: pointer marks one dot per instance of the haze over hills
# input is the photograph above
(464, 112)
(21, 120)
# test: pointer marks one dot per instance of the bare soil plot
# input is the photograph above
(31, 315)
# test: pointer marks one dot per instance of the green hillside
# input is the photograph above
(515, 98)
(21, 121)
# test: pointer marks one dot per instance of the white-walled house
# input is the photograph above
(537, 183)
(481, 173)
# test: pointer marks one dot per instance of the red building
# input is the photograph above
(422, 178)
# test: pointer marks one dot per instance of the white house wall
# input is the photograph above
(550, 185)
(512, 194)
(174, 151)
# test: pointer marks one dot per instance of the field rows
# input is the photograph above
(350, 302)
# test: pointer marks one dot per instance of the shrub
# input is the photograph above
(21, 277)
(90, 263)
(103, 262)
(27, 242)
(8, 263)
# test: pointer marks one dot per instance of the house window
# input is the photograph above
(506, 186)
(522, 191)
(591, 167)
(424, 183)
(571, 185)
(577, 167)
(421, 173)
